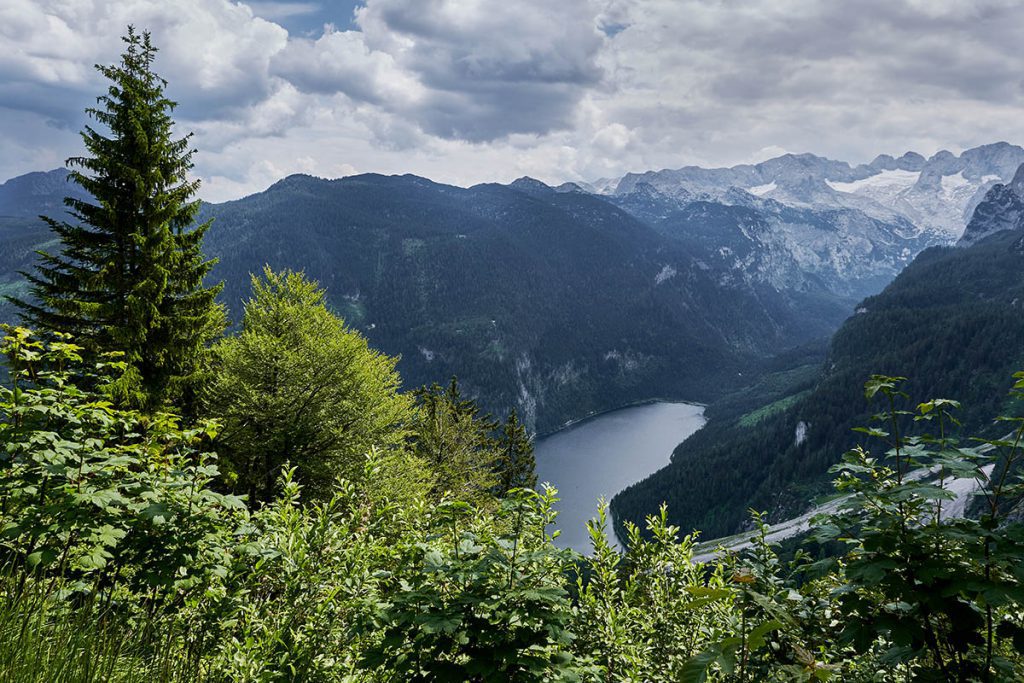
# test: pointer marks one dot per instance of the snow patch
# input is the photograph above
(897, 178)
(762, 190)
(952, 183)
(628, 361)
(667, 273)
(566, 374)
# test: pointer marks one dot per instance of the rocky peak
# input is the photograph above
(1001, 209)
(910, 161)
(1017, 184)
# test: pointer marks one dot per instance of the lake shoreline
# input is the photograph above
(599, 455)
(576, 422)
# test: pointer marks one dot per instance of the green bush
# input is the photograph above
(98, 495)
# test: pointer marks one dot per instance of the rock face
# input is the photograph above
(840, 250)
(1001, 209)
(937, 195)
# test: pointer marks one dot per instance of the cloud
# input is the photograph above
(340, 62)
(278, 11)
(475, 71)
(476, 90)
(216, 54)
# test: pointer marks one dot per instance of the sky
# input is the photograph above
(468, 91)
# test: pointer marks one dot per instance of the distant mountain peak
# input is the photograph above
(1001, 209)
(529, 184)
(296, 180)
(942, 155)
(38, 192)
(909, 161)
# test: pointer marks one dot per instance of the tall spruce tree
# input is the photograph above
(457, 441)
(129, 275)
(516, 464)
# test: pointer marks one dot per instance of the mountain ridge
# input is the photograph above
(443, 275)
(938, 193)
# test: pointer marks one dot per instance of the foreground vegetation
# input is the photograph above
(127, 559)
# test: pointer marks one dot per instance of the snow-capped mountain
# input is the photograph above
(1001, 209)
(937, 195)
(841, 250)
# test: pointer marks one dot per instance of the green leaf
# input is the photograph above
(696, 668)
(756, 639)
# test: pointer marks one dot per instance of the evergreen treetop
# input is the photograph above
(516, 465)
(130, 271)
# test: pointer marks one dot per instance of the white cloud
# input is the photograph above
(473, 90)
(276, 11)
(341, 62)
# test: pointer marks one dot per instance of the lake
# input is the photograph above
(605, 454)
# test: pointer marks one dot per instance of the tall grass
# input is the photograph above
(45, 638)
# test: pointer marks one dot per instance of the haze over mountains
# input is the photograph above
(564, 301)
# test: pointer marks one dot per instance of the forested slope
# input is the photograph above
(952, 322)
(559, 303)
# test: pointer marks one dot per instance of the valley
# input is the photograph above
(715, 285)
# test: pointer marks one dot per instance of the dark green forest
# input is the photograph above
(541, 300)
(951, 322)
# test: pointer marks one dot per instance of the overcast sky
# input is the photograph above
(465, 91)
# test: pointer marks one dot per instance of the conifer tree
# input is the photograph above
(457, 441)
(516, 464)
(129, 275)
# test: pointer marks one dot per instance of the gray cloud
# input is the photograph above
(474, 90)
(474, 72)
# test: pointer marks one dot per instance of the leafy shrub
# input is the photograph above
(100, 495)
(297, 386)
(478, 598)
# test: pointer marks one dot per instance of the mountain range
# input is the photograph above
(937, 195)
(951, 323)
(564, 301)
(560, 304)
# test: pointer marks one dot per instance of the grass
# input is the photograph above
(755, 416)
(46, 639)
